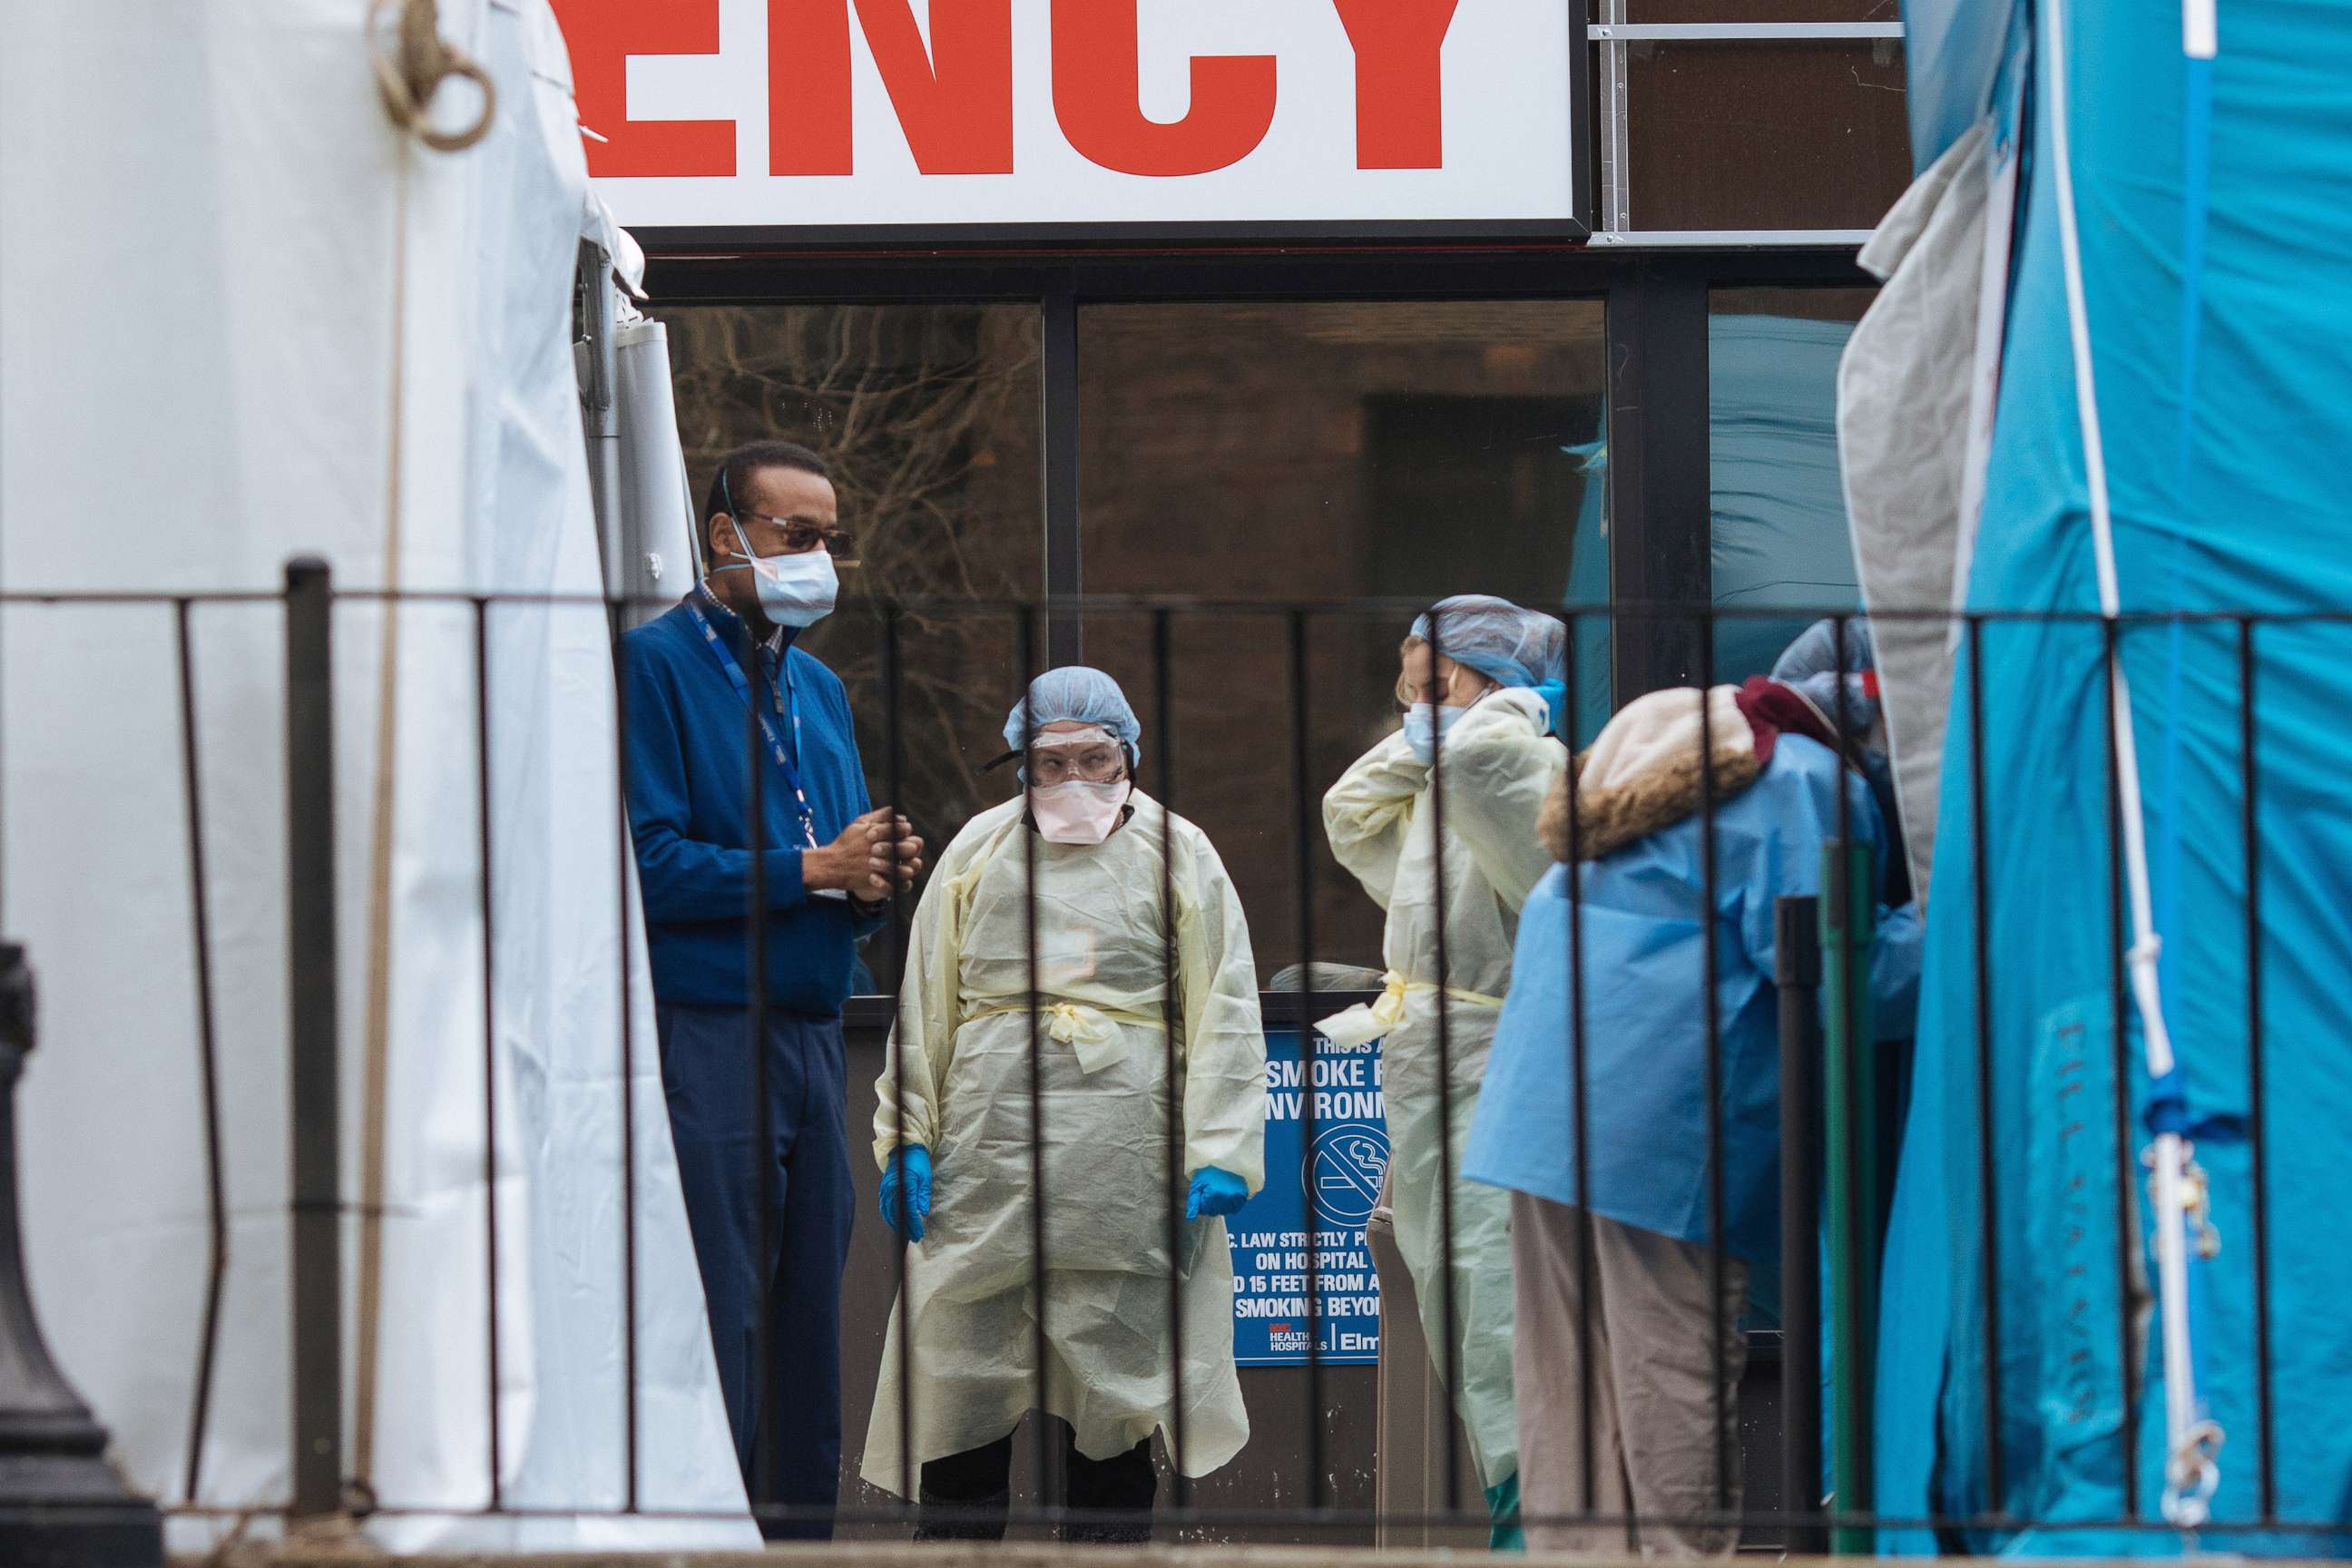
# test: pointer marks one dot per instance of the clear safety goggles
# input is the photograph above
(1093, 755)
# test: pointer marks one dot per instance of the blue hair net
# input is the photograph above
(1499, 640)
(1077, 692)
(1811, 664)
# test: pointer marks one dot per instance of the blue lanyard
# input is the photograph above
(787, 703)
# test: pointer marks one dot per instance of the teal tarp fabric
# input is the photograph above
(2227, 496)
(1953, 49)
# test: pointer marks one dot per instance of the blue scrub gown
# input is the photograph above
(1646, 1017)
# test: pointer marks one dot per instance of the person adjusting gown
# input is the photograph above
(1111, 1047)
(1639, 1196)
(1477, 747)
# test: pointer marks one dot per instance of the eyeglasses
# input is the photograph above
(1460, 681)
(1094, 764)
(802, 535)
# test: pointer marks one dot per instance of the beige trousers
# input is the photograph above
(1650, 1382)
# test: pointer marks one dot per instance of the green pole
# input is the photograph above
(1848, 916)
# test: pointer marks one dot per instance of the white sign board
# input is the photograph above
(1186, 116)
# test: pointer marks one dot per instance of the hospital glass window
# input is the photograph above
(929, 417)
(1748, 135)
(1330, 452)
(1779, 541)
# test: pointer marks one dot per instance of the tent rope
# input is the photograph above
(410, 61)
(2191, 1442)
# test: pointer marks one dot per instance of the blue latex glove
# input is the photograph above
(910, 1168)
(1555, 696)
(1214, 1192)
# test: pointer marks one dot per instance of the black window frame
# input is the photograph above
(1655, 304)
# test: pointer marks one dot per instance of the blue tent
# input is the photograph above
(2214, 209)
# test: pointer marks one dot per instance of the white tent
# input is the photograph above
(243, 315)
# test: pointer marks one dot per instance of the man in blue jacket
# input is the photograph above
(754, 836)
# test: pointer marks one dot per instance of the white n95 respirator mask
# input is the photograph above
(1077, 812)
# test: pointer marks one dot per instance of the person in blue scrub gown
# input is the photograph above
(1645, 1289)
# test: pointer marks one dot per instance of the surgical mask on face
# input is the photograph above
(794, 590)
(1424, 722)
(1077, 812)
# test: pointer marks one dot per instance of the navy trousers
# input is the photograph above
(782, 1307)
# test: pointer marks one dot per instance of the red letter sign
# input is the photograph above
(1097, 91)
(955, 103)
(1400, 92)
(602, 35)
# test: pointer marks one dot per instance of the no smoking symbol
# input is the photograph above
(1344, 1172)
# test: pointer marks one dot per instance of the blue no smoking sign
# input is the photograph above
(1344, 1168)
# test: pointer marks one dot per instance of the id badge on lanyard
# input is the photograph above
(789, 710)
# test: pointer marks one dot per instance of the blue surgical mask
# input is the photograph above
(794, 590)
(1423, 721)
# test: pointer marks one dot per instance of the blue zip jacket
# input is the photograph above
(689, 792)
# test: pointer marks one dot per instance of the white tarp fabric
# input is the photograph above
(217, 247)
(1905, 388)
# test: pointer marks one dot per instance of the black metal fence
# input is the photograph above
(1838, 1097)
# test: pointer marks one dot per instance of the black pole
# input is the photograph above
(2257, 1147)
(1987, 1165)
(61, 1505)
(1304, 799)
(1797, 962)
(492, 1382)
(207, 1055)
(316, 1100)
(623, 945)
(2128, 1237)
(1172, 1013)
(1058, 421)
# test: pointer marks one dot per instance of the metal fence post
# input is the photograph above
(1848, 910)
(1797, 963)
(61, 1505)
(315, 1123)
